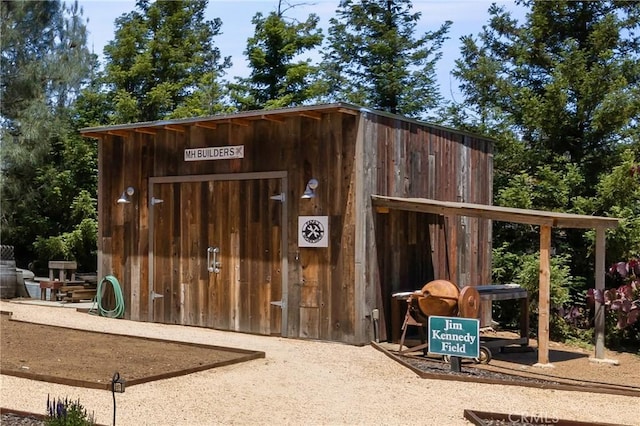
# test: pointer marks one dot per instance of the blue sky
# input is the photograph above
(468, 17)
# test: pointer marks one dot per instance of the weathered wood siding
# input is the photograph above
(416, 160)
(320, 289)
(237, 217)
(326, 294)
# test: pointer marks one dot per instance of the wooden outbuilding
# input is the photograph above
(263, 222)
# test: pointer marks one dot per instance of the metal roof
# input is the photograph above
(243, 118)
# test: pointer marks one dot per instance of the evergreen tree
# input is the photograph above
(163, 64)
(277, 79)
(565, 84)
(618, 195)
(92, 107)
(567, 80)
(374, 59)
(46, 167)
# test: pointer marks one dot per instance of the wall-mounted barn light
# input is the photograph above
(310, 190)
(125, 198)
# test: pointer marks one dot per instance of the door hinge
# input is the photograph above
(279, 303)
(280, 197)
(155, 295)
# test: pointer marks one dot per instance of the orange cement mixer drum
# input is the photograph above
(439, 297)
(469, 303)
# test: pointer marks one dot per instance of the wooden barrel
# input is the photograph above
(8, 279)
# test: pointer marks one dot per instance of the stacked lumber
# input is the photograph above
(77, 293)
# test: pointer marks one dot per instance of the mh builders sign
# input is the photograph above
(214, 153)
(454, 336)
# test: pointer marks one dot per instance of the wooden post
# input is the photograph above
(544, 296)
(599, 314)
(599, 320)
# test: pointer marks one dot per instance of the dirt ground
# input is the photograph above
(71, 355)
(75, 355)
(571, 364)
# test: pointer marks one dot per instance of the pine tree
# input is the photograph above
(567, 80)
(374, 59)
(163, 63)
(45, 164)
(278, 78)
(565, 83)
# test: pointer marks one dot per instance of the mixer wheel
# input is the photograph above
(469, 303)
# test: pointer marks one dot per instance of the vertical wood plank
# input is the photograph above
(362, 205)
(102, 193)
(244, 293)
(143, 249)
(234, 260)
(275, 313)
(222, 230)
(134, 176)
(297, 185)
(399, 157)
(174, 273)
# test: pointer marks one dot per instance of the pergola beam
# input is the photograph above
(502, 214)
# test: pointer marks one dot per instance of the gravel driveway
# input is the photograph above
(298, 383)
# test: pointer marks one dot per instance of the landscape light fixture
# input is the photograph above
(125, 198)
(310, 190)
(117, 385)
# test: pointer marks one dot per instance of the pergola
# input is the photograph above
(546, 220)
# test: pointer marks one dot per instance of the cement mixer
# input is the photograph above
(440, 298)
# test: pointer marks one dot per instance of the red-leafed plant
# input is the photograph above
(624, 298)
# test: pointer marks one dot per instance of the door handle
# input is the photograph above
(212, 260)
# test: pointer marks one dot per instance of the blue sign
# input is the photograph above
(454, 336)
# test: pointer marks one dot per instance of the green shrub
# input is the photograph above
(80, 245)
(524, 269)
(561, 280)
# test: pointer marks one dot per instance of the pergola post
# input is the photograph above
(599, 314)
(544, 293)
(599, 317)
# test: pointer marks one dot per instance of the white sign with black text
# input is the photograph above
(214, 153)
(313, 231)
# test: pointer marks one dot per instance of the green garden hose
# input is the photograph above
(118, 310)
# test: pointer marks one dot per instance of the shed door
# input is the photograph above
(217, 255)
